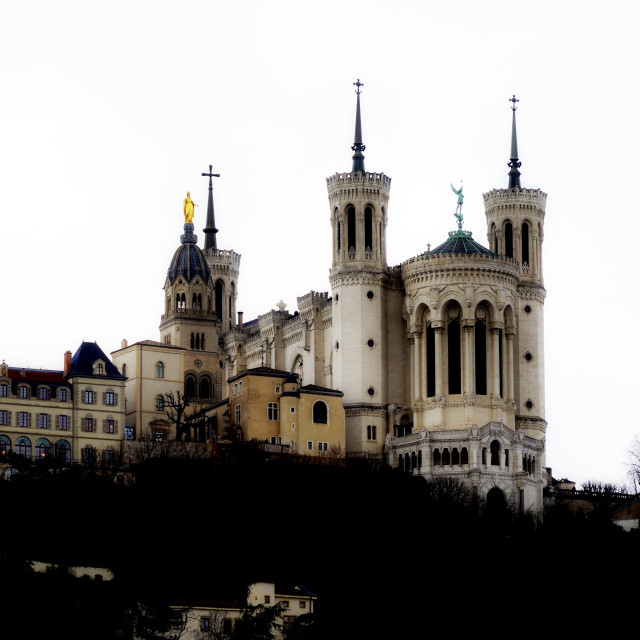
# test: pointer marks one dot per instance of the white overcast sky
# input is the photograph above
(110, 112)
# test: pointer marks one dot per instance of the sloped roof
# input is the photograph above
(84, 358)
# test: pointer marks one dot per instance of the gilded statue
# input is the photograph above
(188, 209)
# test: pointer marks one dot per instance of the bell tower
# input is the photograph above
(360, 286)
(515, 227)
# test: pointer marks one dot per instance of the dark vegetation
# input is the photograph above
(388, 554)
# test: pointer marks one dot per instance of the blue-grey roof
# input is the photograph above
(460, 242)
(188, 262)
(85, 357)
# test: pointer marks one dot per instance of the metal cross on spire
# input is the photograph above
(358, 84)
(514, 100)
(514, 164)
(358, 146)
(210, 230)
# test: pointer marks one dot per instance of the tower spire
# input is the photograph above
(358, 147)
(210, 230)
(514, 164)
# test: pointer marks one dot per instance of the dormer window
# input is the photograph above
(98, 368)
(23, 392)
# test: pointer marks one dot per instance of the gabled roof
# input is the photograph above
(261, 371)
(85, 357)
(323, 391)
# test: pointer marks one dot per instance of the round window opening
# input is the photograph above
(527, 309)
(370, 342)
(528, 404)
(371, 391)
(370, 295)
(528, 357)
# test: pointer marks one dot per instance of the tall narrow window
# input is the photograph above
(453, 344)
(339, 240)
(205, 388)
(219, 291)
(525, 243)
(272, 411)
(159, 370)
(320, 412)
(431, 362)
(508, 240)
(500, 363)
(190, 387)
(481, 358)
(351, 230)
(368, 232)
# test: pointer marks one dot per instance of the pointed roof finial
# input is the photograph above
(210, 230)
(514, 164)
(358, 147)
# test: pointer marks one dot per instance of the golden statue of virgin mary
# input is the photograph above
(188, 209)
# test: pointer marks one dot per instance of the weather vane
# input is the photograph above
(513, 100)
(358, 84)
(458, 212)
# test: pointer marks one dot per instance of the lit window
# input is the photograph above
(5, 446)
(43, 421)
(160, 403)
(4, 390)
(88, 397)
(129, 433)
(43, 393)
(272, 411)
(109, 425)
(110, 398)
(159, 370)
(23, 419)
(43, 448)
(22, 392)
(4, 417)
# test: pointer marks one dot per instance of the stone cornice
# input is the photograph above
(532, 292)
(515, 196)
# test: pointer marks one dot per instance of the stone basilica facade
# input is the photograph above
(440, 361)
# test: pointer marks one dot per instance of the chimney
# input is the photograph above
(240, 314)
(124, 344)
(67, 362)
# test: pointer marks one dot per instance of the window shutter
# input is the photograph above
(29, 420)
(57, 422)
(104, 397)
(8, 418)
(48, 421)
(115, 426)
(104, 426)
(115, 399)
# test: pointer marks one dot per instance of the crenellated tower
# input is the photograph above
(361, 294)
(515, 226)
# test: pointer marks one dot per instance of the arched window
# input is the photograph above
(63, 451)
(414, 460)
(431, 362)
(481, 357)
(495, 453)
(238, 414)
(190, 387)
(320, 412)
(205, 388)
(455, 456)
(508, 240)
(464, 456)
(407, 462)
(5, 446)
(272, 411)
(351, 231)
(160, 403)
(484, 455)
(219, 297)
(400, 462)
(339, 239)
(43, 448)
(159, 370)
(525, 243)
(368, 233)
(446, 458)
(419, 459)
(436, 458)
(453, 344)
(23, 447)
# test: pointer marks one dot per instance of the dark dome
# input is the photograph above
(460, 242)
(188, 262)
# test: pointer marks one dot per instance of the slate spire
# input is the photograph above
(514, 164)
(358, 147)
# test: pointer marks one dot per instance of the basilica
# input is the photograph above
(435, 366)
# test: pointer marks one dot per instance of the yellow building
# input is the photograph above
(269, 406)
(73, 415)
